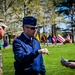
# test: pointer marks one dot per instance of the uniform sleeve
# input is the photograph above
(43, 71)
(20, 53)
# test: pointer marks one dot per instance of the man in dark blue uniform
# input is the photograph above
(27, 50)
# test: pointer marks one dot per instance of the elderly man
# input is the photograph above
(27, 50)
(2, 27)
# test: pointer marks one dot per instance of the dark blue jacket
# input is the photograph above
(26, 55)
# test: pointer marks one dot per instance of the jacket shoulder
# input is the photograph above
(35, 39)
(16, 40)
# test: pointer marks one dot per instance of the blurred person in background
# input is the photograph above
(5, 44)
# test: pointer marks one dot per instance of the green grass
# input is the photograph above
(51, 61)
(8, 61)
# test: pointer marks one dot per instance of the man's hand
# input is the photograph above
(43, 51)
(69, 64)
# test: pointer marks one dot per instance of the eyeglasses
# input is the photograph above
(32, 28)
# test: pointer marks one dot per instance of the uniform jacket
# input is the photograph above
(26, 55)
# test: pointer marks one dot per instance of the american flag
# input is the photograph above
(60, 38)
(54, 39)
(68, 38)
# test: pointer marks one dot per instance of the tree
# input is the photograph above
(67, 7)
(43, 10)
(1, 8)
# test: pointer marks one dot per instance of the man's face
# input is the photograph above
(30, 30)
(1, 32)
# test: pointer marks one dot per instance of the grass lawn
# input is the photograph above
(51, 61)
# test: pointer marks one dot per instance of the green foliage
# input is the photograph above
(51, 61)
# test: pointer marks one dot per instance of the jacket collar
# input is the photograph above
(24, 38)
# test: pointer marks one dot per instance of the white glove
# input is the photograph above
(43, 51)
